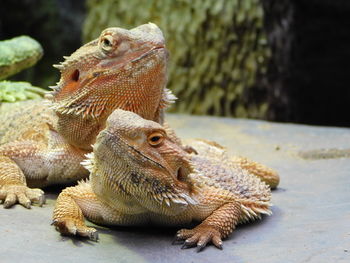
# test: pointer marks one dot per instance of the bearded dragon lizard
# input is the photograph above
(139, 176)
(43, 143)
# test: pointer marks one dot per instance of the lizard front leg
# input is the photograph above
(25, 164)
(71, 206)
(13, 186)
(76, 203)
(214, 228)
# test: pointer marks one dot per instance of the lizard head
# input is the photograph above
(140, 156)
(121, 69)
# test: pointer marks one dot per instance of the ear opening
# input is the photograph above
(75, 75)
(181, 174)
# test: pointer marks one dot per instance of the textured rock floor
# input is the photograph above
(311, 220)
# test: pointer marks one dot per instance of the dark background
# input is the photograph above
(56, 24)
(308, 72)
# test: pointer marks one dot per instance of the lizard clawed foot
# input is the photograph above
(199, 236)
(11, 194)
(68, 226)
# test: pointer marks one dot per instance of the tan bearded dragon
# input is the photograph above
(139, 176)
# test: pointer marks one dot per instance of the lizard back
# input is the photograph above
(20, 118)
(239, 182)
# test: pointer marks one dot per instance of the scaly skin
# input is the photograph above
(43, 142)
(213, 150)
(140, 176)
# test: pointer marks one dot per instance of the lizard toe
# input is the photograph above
(188, 244)
(72, 227)
(89, 232)
(177, 240)
(199, 236)
(94, 235)
(24, 200)
(216, 240)
(65, 226)
(10, 200)
(36, 195)
(184, 234)
(12, 194)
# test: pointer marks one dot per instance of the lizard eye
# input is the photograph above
(155, 138)
(106, 43)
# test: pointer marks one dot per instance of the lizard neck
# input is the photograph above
(79, 131)
(82, 131)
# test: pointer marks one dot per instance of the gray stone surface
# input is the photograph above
(311, 213)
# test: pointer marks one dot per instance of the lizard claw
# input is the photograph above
(177, 240)
(94, 236)
(41, 200)
(188, 244)
(11, 194)
(200, 247)
(200, 236)
(74, 227)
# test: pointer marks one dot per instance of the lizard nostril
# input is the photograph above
(75, 75)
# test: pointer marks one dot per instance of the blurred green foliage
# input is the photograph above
(217, 49)
(17, 54)
(16, 91)
(55, 24)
